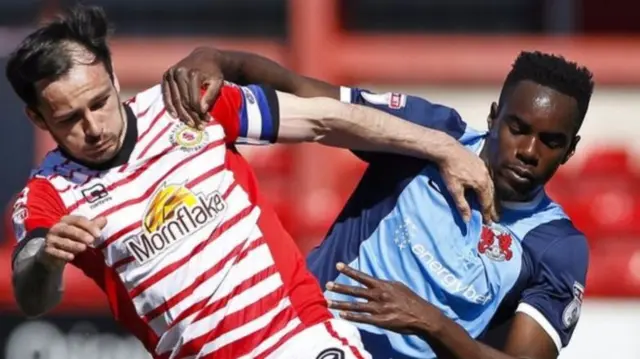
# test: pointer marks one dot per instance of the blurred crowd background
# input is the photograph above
(454, 52)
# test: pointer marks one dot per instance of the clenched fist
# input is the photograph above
(68, 238)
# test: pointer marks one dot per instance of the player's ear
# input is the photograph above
(35, 117)
(493, 115)
(572, 149)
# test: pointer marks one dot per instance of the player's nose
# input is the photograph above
(527, 151)
(93, 129)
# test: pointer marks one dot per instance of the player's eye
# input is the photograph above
(69, 119)
(516, 126)
(98, 105)
(553, 142)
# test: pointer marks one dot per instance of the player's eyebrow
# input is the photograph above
(519, 120)
(558, 137)
(547, 135)
(96, 98)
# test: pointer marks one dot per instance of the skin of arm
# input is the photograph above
(526, 340)
(393, 306)
(246, 68)
(338, 124)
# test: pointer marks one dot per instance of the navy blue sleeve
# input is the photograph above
(411, 108)
(554, 295)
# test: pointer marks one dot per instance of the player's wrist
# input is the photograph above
(47, 261)
(215, 60)
(230, 64)
(207, 53)
(430, 323)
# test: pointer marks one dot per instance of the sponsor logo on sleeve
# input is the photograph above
(392, 100)
(19, 214)
(248, 95)
(571, 312)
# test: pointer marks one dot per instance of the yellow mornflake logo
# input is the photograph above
(173, 213)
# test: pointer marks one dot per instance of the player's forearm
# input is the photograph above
(450, 341)
(366, 129)
(247, 68)
(37, 288)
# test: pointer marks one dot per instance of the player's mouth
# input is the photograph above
(520, 177)
(100, 148)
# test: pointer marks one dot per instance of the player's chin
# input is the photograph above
(100, 157)
(509, 191)
(103, 153)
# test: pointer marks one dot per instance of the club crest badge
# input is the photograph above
(495, 243)
(189, 139)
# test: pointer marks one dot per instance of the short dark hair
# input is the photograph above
(554, 72)
(48, 53)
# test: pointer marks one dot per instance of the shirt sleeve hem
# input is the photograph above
(345, 94)
(536, 315)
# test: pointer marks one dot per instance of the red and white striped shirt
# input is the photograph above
(193, 261)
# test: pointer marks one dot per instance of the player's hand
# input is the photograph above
(463, 170)
(182, 86)
(69, 237)
(389, 305)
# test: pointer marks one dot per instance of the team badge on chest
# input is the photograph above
(189, 139)
(495, 243)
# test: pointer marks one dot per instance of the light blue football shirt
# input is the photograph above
(400, 224)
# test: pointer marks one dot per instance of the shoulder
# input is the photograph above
(409, 107)
(149, 109)
(142, 103)
(559, 245)
(39, 190)
(39, 184)
(58, 172)
(560, 231)
(38, 205)
(53, 165)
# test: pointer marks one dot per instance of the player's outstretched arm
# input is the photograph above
(356, 127)
(207, 67)
(259, 115)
